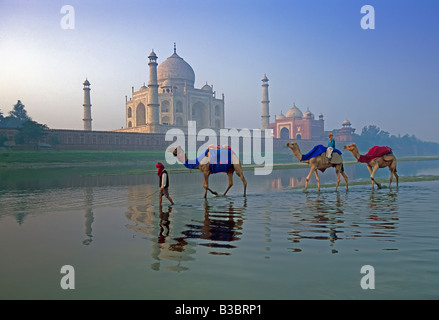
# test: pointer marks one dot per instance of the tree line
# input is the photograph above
(407, 145)
(29, 131)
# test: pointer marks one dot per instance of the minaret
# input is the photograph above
(87, 106)
(265, 105)
(153, 103)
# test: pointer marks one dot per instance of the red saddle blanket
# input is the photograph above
(375, 152)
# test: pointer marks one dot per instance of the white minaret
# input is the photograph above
(153, 103)
(87, 106)
(265, 105)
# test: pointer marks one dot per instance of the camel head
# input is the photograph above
(177, 152)
(173, 150)
(350, 147)
(292, 145)
(295, 149)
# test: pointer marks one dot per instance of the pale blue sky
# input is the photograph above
(314, 52)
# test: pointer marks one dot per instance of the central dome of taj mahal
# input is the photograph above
(176, 70)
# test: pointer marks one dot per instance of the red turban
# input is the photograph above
(160, 168)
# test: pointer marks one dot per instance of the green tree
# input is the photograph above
(370, 131)
(31, 132)
(19, 112)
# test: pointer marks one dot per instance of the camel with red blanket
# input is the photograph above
(316, 159)
(377, 157)
(215, 159)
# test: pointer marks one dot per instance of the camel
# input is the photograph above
(318, 163)
(205, 167)
(388, 160)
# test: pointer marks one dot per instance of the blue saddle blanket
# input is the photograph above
(220, 160)
(316, 151)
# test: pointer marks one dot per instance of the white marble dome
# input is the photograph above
(176, 70)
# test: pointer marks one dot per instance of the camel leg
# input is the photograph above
(206, 185)
(370, 171)
(345, 177)
(375, 169)
(337, 171)
(230, 176)
(308, 177)
(394, 171)
(240, 174)
(318, 179)
(391, 177)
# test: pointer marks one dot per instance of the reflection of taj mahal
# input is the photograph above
(172, 100)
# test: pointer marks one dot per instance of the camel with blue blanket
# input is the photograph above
(317, 160)
(214, 160)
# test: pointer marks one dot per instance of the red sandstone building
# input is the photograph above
(296, 125)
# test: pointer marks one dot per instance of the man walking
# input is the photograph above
(163, 183)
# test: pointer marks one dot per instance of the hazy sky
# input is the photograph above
(314, 53)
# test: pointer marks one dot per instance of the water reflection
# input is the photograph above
(165, 245)
(335, 216)
(287, 182)
(88, 216)
(170, 248)
(320, 219)
(221, 226)
(383, 214)
(175, 232)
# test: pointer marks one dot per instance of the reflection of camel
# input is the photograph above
(220, 226)
(373, 165)
(205, 167)
(318, 163)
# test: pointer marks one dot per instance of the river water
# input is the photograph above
(276, 243)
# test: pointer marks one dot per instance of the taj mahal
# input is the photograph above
(170, 99)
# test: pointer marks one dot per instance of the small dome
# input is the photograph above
(321, 115)
(346, 123)
(143, 87)
(308, 115)
(86, 83)
(207, 87)
(281, 116)
(294, 112)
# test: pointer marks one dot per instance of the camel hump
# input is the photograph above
(336, 158)
(389, 157)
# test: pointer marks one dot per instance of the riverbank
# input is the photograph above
(90, 163)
